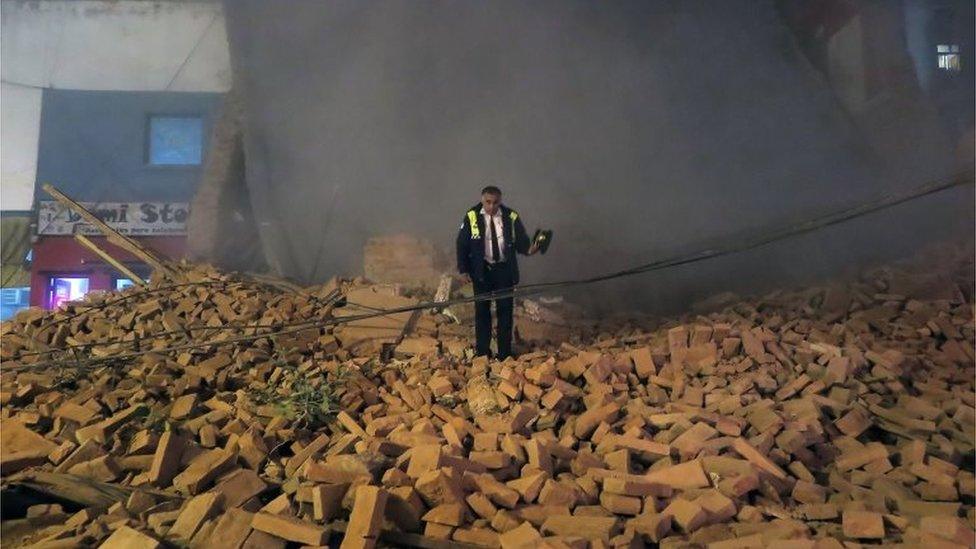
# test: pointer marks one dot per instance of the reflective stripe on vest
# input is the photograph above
(473, 221)
(514, 216)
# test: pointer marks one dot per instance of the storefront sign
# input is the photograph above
(129, 218)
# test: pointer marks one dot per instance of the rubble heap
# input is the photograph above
(810, 418)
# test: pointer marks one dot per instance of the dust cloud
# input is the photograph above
(635, 130)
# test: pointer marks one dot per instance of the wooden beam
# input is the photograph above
(79, 490)
(443, 293)
(84, 241)
(111, 234)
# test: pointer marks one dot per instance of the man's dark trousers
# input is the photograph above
(498, 278)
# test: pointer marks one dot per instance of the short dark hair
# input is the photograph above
(491, 189)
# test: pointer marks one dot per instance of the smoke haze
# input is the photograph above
(635, 130)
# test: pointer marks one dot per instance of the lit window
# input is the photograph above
(175, 140)
(10, 296)
(949, 59)
(13, 300)
(123, 283)
(62, 289)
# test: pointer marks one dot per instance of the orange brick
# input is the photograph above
(739, 485)
(166, 460)
(437, 487)
(452, 435)
(308, 452)
(854, 422)
(807, 492)
(404, 507)
(587, 422)
(203, 470)
(497, 492)
(438, 531)
(690, 442)
(263, 540)
(452, 514)
(423, 459)
(859, 458)
(280, 505)
(555, 399)
(520, 538)
(537, 514)
(491, 459)
(327, 500)
(557, 494)
(644, 365)
(636, 486)
(484, 442)
(648, 449)
(619, 504)
(290, 528)
(529, 486)
(686, 515)
(183, 406)
(239, 486)
(481, 505)
(129, 538)
(538, 455)
(817, 511)
(746, 450)
(618, 460)
(652, 526)
(718, 507)
(863, 525)
(683, 476)
(585, 527)
(728, 427)
(505, 520)
(74, 412)
(232, 528)
(483, 537)
(366, 518)
(196, 511)
(951, 528)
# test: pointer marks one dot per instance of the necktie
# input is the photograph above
(495, 253)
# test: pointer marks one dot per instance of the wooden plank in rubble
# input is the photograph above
(111, 234)
(86, 242)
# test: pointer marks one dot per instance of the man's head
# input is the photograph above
(491, 198)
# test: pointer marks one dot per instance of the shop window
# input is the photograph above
(13, 300)
(175, 140)
(120, 283)
(949, 57)
(123, 283)
(62, 289)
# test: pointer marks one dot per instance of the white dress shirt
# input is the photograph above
(499, 232)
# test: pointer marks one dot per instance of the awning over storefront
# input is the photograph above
(15, 245)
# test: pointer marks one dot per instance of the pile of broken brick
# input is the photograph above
(824, 417)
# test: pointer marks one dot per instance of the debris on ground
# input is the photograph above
(225, 411)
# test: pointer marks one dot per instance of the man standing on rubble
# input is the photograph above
(491, 235)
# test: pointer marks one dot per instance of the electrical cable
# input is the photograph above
(883, 202)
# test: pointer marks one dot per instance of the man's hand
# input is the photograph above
(533, 248)
(464, 278)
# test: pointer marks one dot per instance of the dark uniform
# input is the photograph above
(490, 277)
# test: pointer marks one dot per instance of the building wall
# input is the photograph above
(80, 80)
(20, 116)
(93, 145)
(126, 45)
